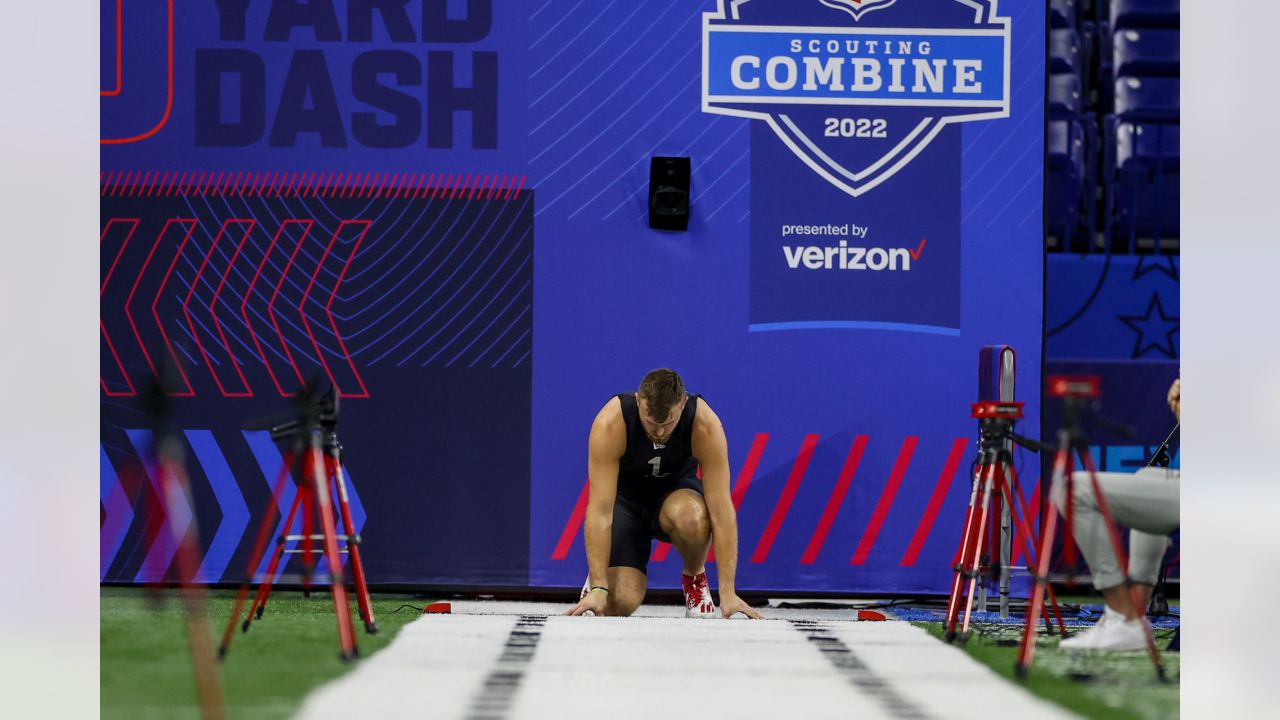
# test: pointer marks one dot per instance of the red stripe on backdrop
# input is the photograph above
(935, 502)
(784, 502)
(575, 523)
(836, 500)
(887, 496)
(744, 478)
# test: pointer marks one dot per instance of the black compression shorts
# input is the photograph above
(635, 523)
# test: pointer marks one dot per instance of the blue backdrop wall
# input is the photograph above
(442, 210)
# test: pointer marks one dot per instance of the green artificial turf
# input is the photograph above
(1119, 685)
(147, 672)
(146, 665)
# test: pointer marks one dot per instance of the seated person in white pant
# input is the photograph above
(1147, 503)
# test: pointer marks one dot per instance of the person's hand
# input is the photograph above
(730, 603)
(594, 601)
(1175, 398)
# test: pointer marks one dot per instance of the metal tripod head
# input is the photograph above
(1080, 395)
(311, 412)
(995, 427)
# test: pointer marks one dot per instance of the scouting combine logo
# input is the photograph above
(856, 88)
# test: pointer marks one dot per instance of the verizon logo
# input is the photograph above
(843, 257)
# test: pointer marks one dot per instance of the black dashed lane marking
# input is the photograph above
(493, 701)
(852, 668)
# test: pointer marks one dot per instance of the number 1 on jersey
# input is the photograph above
(657, 466)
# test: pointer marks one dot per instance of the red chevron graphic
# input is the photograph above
(213, 308)
(160, 183)
(921, 534)
(191, 225)
(572, 527)
(890, 491)
(333, 294)
(271, 309)
(132, 224)
(784, 502)
(244, 305)
(843, 481)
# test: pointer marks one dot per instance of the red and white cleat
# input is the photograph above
(697, 597)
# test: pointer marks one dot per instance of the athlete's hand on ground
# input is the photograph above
(730, 604)
(593, 601)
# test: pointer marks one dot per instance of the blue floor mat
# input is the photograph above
(1075, 616)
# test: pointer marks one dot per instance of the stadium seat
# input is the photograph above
(1142, 194)
(1067, 180)
(1152, 146)
(1065, 54)
(1066, 99)
(1063, 13)
(1147, 99)
(1145, 53)
(1127, 14)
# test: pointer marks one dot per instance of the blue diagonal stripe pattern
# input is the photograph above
(270, 461)
(627, 93)
(235, 513)
(177, 516)
(119, 515)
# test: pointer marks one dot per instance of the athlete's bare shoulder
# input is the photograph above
(610, 414)
(609, 430)
(705, 421)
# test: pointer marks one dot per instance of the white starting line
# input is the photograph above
(521, 661)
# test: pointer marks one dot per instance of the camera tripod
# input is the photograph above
(315, 461)
(994, 476)
(1076, 393)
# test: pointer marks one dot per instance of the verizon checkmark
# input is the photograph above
(915, 254)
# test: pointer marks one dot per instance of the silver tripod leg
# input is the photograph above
(1006, 555)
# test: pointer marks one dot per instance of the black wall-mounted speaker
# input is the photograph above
(669, 193)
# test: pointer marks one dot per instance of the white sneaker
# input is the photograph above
(697, 596)
(1112, 632)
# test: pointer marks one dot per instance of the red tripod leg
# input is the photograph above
(353, 548)
(1118, 545)
(970, 524)
(321, 497)
(976, 560)
(259, 546)
(308, 528)
(1026, 653)
(264, 587)
(1018, 510)
(208, 688)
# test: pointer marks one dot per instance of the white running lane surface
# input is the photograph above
(521, 661)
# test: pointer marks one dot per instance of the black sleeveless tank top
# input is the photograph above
(646, 467)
